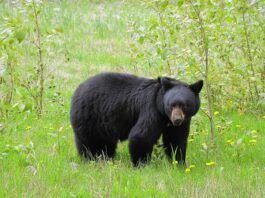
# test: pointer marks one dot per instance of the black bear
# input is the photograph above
(110, 107)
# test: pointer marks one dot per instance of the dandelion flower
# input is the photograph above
(238, 126)
(230, 142)
(192, 166)
(253, 131)
(218, 126)
(211, 163)
(190, 140)
(187, 170)
(252, 141)
(216, 113)
(28, 127)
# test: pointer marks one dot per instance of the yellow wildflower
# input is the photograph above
(211, 163)
(190, 140)
(218, 126)
(238, 126)
(28, 127)
(230, 142)
(216, 113)
(253, 131)
(187, 170)
(192, 166)
(252, 141)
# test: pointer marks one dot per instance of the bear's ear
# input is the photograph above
(196, 87)
(166, 83)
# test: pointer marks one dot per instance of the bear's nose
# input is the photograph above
(178, 122)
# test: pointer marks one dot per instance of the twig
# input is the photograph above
(165, 44)
(250, 58)
(206, 52)
(40, 70)
(205, 113)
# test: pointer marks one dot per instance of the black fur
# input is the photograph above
(110, 107)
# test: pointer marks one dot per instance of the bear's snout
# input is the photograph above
(177, 116)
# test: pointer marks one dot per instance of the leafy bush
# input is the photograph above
(25, 48)
(171, 41)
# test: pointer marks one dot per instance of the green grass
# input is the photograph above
(38, 156)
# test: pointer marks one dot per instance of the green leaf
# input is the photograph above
(141, 40)
(20, 36)
(180, 2)
(164, 5)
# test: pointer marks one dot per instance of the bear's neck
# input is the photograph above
(160, 101)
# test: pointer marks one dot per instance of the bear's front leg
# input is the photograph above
(175, 142)
(140, 150)
(142, 138)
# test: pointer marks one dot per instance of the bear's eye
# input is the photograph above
(178, 104)
(174, 105)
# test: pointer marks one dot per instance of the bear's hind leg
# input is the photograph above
(95, 148)
(84, 149)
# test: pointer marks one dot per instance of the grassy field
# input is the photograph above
(38, 156)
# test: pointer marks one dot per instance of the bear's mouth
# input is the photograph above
(177, 116)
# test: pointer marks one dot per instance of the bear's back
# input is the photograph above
(114, 81)
(107, 98)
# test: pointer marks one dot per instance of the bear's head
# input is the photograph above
(181, 101)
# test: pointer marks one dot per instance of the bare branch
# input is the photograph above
(206, 63)
(40, 69)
